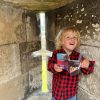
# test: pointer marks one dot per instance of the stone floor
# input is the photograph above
(38, 95)
(44, 97)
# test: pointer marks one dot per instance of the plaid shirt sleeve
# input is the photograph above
(52, 60)
(90, 69)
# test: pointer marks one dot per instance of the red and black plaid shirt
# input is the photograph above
(64, 85)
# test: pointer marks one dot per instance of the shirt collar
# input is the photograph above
(70, 53)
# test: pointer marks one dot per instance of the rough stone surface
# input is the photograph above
(84, 95)
(12, 28)
(18, 30)
(32, 26)
(10, 66)
(82, 15)
(12, 90)
(27, 60)
(43, 97)
(90, 83)
(38, 4)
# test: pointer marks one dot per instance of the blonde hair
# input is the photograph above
(60, 34)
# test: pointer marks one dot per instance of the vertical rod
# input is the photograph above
(43, 51)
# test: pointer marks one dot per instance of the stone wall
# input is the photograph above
(85, 15)
(19, 37)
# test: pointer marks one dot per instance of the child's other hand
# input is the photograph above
(85, 63)
(58, 68)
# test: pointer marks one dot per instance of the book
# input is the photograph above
(72, 66)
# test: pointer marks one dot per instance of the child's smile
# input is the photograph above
(69, 41)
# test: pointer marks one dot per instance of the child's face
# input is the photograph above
(69, 40)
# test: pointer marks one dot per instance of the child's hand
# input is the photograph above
(85, 63)
(58, 68)
(71, 69)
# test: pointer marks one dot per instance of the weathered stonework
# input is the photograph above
(27, 60)
(9, 68)
(84, 95)
(19, 37)
(40, 5)
(86, 20)
(12, 28)
(90, 83)
(32, 26)
(13, 89)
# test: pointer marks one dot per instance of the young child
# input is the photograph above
(65, 86)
